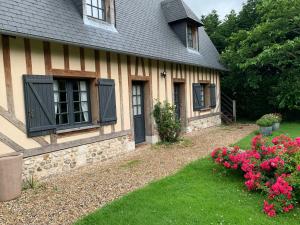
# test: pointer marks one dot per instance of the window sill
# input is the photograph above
(102, 24)
(75, 129)
(203, 110)
(193, 50)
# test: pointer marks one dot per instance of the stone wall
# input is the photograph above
(199, 124)
(45, 165)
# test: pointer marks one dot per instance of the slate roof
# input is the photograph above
(176, 10)
(142, 29)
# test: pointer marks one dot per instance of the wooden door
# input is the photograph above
(138, 112)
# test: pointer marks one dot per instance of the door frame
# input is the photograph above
(182, 90)
(142, 85)
(148, 105)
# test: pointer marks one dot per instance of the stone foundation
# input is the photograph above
(203, 123)
(61, 161)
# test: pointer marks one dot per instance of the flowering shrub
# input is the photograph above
(273, 169)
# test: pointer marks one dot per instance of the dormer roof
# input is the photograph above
(178, 10)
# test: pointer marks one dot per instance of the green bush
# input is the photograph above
(168, 126)
(264, 122)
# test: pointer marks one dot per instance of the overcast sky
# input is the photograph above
(203, 7)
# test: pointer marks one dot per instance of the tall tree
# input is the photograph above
(265, 60)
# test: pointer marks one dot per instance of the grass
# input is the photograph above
(289, 128)
(201, 193)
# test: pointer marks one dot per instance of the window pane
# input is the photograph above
(138, 90)
(62, 85)
(139, 101)
(55, 85)
(89, 2)
(139, 110)
(56, 108)
(101, 4)
(83, 86)
(63, 108)
(85, 117)
(56, 97)
(95, 3)
(77, 107)
(62, 96)
(134, 100)
(63, 119)
(134, 90)
(89, 10)
(100, 11)
(76, 97)
(135, 110)
(84, 107)
(77, 118)
(83, 96)
(75, 86)
(95, 12)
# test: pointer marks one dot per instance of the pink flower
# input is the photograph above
(235, 166)
(273, 163)
(298, 140)
(227, 164)
(269, 209)
(288, 208)
(281, 187)
(298, 168)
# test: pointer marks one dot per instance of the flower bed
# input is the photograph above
(272, 169)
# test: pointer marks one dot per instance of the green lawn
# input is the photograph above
(200, 194)
(290, 129)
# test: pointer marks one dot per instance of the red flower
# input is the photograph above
(235, 166)
(281, 187)
(227, 164)
(273, 163)
(298, 140)
(288, 208)
(269, 209)
(298, 168)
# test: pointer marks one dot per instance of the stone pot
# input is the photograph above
(266, 131)
(10, 176)
(276, 126)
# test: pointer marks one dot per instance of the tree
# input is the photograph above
(220, 31)
(265, 60)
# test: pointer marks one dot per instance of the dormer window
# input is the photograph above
(96, 9)
(192, 37)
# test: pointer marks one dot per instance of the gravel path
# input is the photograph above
(65, 198)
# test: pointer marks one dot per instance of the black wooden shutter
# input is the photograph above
(197, 97)
(107, 102)
(39, 105)
(213, 100)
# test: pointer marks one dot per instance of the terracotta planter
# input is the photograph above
(276, 126)
(10, 176)
(266, 131)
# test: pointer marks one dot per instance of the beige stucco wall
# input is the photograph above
(16, 135)
(18, 68)
(4, 149)
(3, 101)
(57, 55)
(89, 55)
(74, 56)
(37, 57)
(78, 137)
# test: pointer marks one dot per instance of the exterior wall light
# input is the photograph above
(163, 74)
